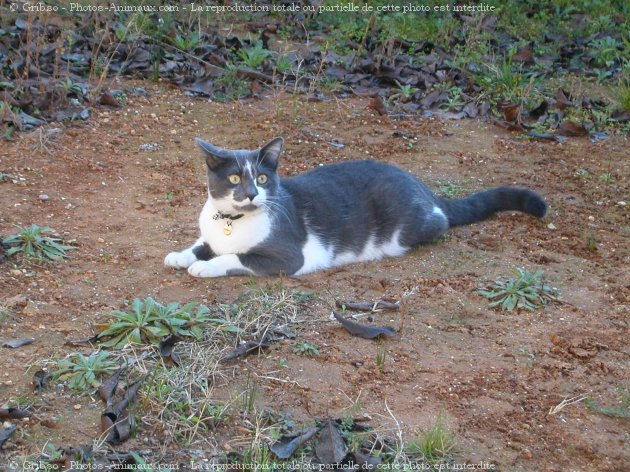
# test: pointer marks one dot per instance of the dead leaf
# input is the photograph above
(108, 388)
(367, 332)
(286, 446)
(108, 99)
(471, 109)
(358, 460)
(40, 380)
(539, 111)
(14, 413)
(570, 128)
(330, 448)
(525, 54)
(511, 112)
(15, 343)
(563, 99)
(166, 348)
(5, 433)
(378, 105)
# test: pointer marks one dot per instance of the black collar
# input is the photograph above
(219, 215)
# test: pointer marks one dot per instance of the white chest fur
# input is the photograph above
(247, 232)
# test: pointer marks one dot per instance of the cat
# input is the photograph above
(256, 223)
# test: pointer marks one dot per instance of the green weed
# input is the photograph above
(231, 86)
(149, 321)
(186, 43)
(306, 349)
(623, 95)
(618, 411)
(84, 372)
(526, 290)
(434, 445)
(451, 189)
(32, 243)
(254, 57)
(381, 355)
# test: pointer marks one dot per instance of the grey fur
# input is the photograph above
(346, 206)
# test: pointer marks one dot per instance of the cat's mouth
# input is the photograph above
(247, 207)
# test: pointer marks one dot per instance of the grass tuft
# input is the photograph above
(526, 290)
(32, 242)
(434, 445)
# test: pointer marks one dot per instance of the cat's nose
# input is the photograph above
(251, 193)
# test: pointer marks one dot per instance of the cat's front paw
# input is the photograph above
(205, 269)
(179, 260)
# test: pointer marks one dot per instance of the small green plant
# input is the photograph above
(83, 372)
(254, 57)
(451, 189)
(306, 349)
(231, 85)
(249, 394)
(435, 444)
(623, 95)
(606, 177)
(32, 243)
(71, 87)
(149, 320)
(526, 290)
(404, 94)
(455, 100)
(381, 355)
(140, 326)
(284, 64)
(618, 411)
(186, 43)
(605, 51)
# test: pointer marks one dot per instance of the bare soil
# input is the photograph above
(493, 376)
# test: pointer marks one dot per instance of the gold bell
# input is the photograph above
(227, 228)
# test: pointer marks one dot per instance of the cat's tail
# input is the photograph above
(482, 205)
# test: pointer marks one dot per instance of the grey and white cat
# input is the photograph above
(257, 223)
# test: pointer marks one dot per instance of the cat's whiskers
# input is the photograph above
(275, 207)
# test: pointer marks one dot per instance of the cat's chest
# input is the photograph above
(244, 234)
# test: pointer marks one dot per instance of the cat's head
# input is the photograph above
(242, 180)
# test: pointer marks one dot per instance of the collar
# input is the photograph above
(219, 215)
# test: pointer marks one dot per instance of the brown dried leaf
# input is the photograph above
(378, 105)
(511, 112)
(330, 448)
(15, 343)
(108, 99)
(14, 413)
(108, 388)
(286, 446)
(367, 332)
(563, 99)
(40, 379)
(524, 55)
(5, 433)
(569, 128)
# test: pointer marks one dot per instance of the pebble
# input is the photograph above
(101, 240)
(551, 226)
(77, 407)
(622, 203)
(591, 218)
(44, 198)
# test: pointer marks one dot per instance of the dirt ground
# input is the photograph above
(492, 376)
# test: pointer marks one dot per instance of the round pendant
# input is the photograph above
(227, 228)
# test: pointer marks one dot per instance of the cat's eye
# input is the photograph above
(262, 179)
(234, 179)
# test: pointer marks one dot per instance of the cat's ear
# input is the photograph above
(215, 156)
(270, 152)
